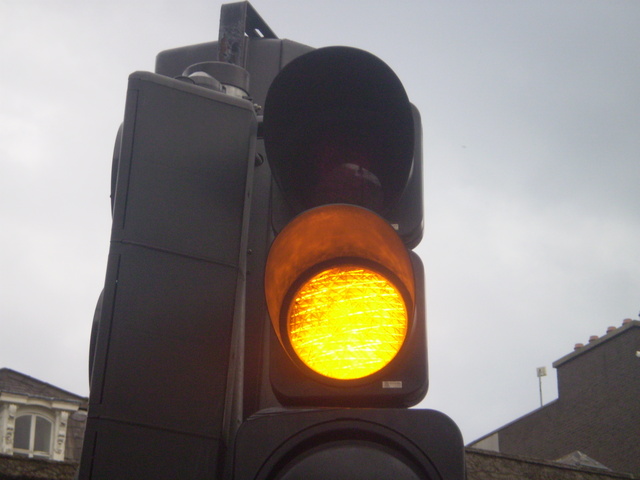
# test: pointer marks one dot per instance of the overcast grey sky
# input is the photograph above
(531, 121)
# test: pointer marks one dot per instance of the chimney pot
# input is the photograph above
(593, 338)
(626, 321)
(578, 346)
(611, 329)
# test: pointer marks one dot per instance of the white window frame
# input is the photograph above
(31, 452)
(56, 411)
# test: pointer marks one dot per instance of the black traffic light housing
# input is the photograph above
(333, 107)
(183, 343)
(354, 444)
(168, 328)
(339, 129)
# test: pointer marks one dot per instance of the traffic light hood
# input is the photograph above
(338, 128)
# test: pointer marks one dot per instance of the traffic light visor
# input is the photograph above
(338, 128)
(340, 291)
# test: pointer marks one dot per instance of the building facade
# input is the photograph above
(39, 420)
(597, 413)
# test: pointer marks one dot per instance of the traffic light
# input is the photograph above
(168, 330)
(342, 298)
(263, 315)
(345, 294)
(354, 444)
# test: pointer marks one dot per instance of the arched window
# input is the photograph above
(32, 436)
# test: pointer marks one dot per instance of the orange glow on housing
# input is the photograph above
(340, 291)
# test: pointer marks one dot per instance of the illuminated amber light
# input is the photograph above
(347, 322)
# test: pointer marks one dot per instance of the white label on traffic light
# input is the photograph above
(392, 384)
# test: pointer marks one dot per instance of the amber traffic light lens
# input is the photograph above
(347, 322)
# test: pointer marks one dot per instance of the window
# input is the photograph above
(32, 436)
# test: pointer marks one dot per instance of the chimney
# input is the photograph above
(593, 338)
(611, 329)
(578, 346)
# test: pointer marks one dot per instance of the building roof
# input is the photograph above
(579, 459)
(22, 468)
(478, 441)
(485, 465)
(595, 341)
(21, 384)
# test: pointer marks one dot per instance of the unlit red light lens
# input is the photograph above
(347, 322)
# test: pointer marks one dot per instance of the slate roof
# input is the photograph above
(485, 465)
(22, 468)
(21, 384)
